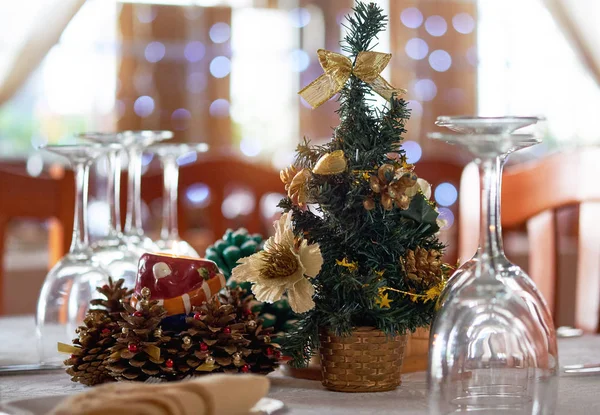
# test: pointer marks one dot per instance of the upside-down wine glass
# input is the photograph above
(112, 251)
(490, 125)
(71, 283)
(135, 143)
(169, 241)
(493, 345)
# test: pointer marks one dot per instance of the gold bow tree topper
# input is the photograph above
(338, 68)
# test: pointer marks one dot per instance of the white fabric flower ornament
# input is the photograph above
(284, 265)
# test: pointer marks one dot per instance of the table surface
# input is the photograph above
(577, 394)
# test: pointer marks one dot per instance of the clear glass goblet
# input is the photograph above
(112, 251)
(135, 143)
(169, 241)
(493, 344)
(71, 283)
(489, 125)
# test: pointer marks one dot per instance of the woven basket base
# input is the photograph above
(365, 361)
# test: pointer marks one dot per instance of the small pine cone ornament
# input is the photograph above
(424, 268)
(225, 336)
(87, 364)
(114, 294)
(234, 245)
(136, 354)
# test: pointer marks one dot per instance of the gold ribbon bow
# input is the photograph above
(338, 69)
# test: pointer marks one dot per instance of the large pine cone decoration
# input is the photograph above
(224, 336)
(136, 354)
(88, 366)
(423, 267)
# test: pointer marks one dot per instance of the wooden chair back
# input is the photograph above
(50, 196)
(219, 173)
(531, 194)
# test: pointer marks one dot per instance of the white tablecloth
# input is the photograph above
(577, 394)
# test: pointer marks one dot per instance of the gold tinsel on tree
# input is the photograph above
(90, 349)
(136, 355)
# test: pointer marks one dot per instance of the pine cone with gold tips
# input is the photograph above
(114, 294)
(424, 268)
(136, 354)
(87, 364)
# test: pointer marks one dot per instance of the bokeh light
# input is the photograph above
(440, 60)
(143, 106)
(436, 25)
(447, 216)
(268, 205)
(425, 89)
(250, 146)
(219, 108)
(413, 151)
(416, 48)
(187, 158)
(445, 194)
(463, 23)
(145, 13)
(416, 109)
(220, 67)
(154, 52)
(196, 82)
(240, 202)
(180, 119)
(411, 17)
(198, 195)
(299, 17)
(300, 60)
(194, 51)
(220, 32)
(35, 164)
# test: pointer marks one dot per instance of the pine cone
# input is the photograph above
(423, 267)
(224, 336)
(234, 245)
(136, 354)
(94, 340)
(114, 295)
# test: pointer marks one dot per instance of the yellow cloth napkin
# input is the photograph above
(209, 395)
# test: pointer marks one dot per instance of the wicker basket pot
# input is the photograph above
(365, 361)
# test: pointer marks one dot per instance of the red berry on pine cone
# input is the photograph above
(105, 331)
(105, 287)
(203, 347)
(169, 363)
(197, 316)
(132, 347)
(73, 356)
(278, 354)
(227, 330)
(270, 351)
(245, 369)
(248, 312)
(138, 314)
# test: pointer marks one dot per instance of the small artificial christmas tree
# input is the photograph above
(356, 202)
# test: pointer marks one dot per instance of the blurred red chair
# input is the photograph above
(50, 196)
(532, 192)
(220, 174)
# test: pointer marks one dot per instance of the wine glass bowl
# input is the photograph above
(493, 344)
(71, 283)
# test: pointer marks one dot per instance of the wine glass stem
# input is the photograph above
(170, 229)
(489, 238)
(79, 242)
(133, 223)
(112, 193)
